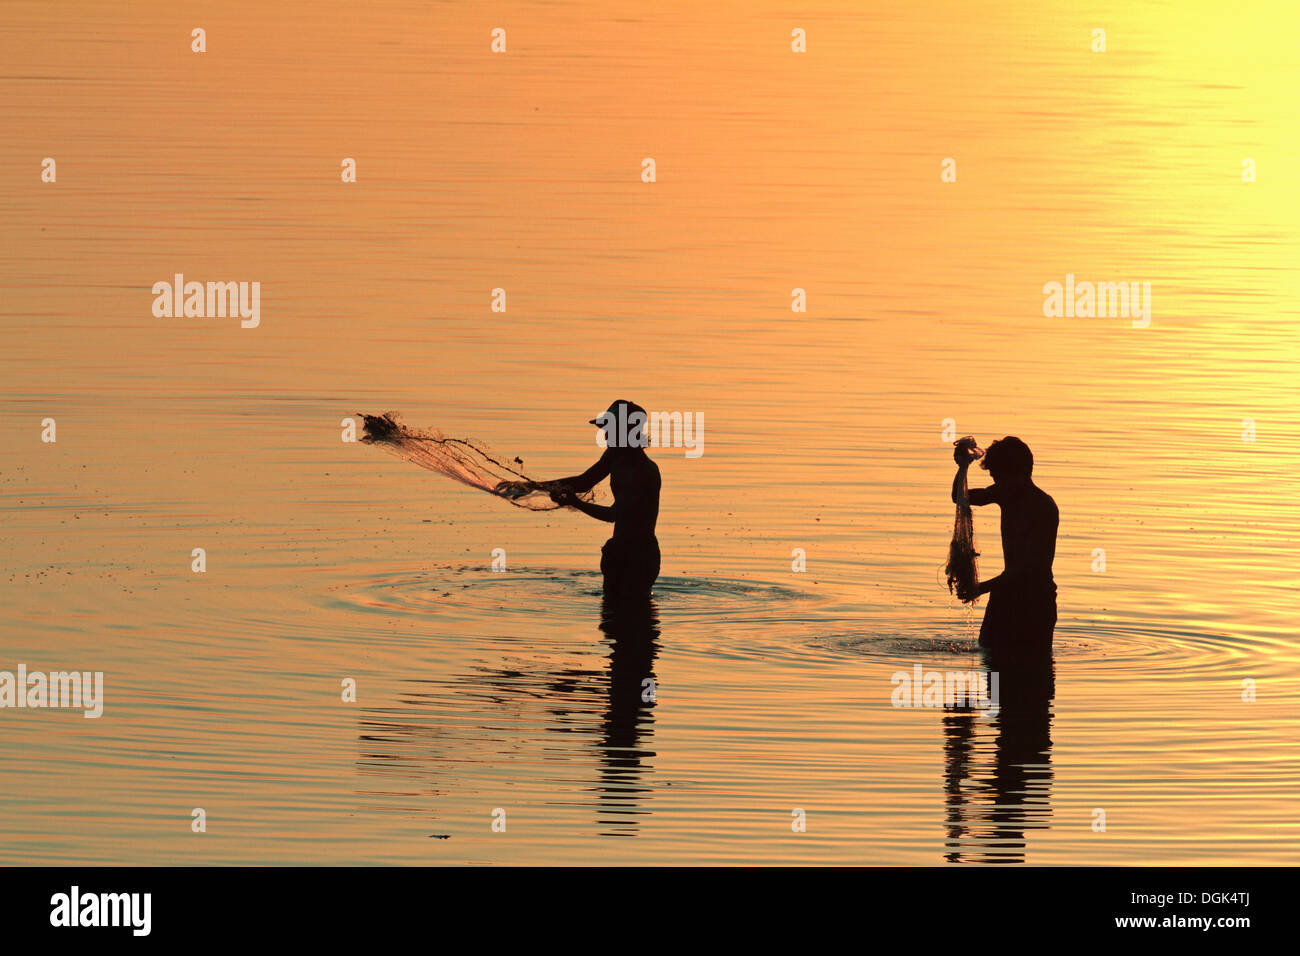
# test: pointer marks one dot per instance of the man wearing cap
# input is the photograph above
(630, 559)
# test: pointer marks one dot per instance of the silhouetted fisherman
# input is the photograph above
(630, 559)
(1021, 613)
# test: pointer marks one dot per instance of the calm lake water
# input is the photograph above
(1172, 448)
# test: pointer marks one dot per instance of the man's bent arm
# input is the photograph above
(974, 496)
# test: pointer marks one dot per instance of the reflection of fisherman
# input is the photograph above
(630, 559)
(1022, 599)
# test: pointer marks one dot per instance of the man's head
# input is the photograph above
(1008, 459)
(625, 425)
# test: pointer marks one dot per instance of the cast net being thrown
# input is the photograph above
(459, 460)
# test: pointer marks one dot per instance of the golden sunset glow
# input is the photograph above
(1170, 443)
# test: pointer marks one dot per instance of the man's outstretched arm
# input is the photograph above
(579, 483)
(588, 479)
(564, 496)
(599, 512)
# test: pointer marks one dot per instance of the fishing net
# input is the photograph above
(963, 576)
(461, 461)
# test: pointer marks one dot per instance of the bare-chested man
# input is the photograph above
(629, 560)
(1021, 613)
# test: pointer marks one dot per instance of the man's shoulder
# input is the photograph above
(1047, 502)
(645, 468)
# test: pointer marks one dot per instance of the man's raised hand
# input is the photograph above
(965, 451)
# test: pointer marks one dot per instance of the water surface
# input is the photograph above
(481, 689)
